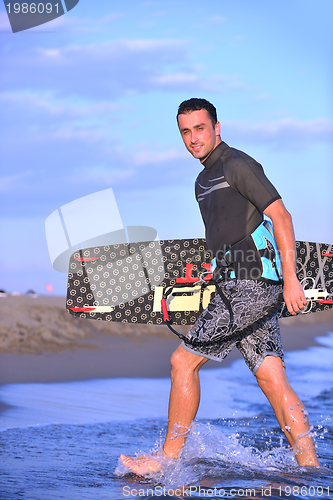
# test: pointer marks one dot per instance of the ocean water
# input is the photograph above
(63, 440)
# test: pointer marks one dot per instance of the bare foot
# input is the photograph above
(142, 465)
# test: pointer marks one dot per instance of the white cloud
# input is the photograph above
(102, 175)
(288, 132)
(4, 22)
(70, 133)
(118, 49)
(51, 117)
(217, 19)
(52, 105)
(147, 156)
(111, 69)
(10, 182)
(68, 22)
(107, 70)
(192, 81)
(83, 25)
(263, 96)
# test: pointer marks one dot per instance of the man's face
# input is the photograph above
(198, 133)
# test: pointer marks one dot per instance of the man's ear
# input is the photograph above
(218, 128)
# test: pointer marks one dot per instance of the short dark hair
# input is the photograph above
(196, 104)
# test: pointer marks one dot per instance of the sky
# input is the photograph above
(88, 102)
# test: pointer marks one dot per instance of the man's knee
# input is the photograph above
(271, 374)
(185, 361)
(176, 359)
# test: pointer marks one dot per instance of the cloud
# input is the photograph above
(51, 105)
(217, 19)
(50, 117)
(192, 81)
(284, 133)
(109, 70)
(8, 182)
(4, 22)
(106, 70)
(84, 25)
(53, 146)
(70, 22)
(67, 164)
(71, 147)
(146, 156)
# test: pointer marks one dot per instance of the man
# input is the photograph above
(233, 194)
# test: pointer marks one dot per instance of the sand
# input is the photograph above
(41, 342)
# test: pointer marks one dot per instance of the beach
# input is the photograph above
(41, 342)
(76, 393)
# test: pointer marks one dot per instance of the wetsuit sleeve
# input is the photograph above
(247, 176)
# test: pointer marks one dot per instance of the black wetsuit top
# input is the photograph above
(232, 191)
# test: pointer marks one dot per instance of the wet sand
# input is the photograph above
(41, 342)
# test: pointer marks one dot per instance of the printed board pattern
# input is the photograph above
(125, 282)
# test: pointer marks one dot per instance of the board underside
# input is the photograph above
(125, 282)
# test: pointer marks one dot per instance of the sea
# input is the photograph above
(63, 440)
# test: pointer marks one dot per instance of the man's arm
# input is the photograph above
(285, 240)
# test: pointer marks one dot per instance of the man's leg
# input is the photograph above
(183, 406)
(289, 410)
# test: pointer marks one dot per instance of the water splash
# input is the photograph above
(256, 454)
(212, 453)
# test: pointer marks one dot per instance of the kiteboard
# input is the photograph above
(147, 281)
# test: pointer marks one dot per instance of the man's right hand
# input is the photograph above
(293, 295)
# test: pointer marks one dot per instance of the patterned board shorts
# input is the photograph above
(255, 330)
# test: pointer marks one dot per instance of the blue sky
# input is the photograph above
(89, 101)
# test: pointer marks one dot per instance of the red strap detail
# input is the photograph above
(82, 309)
(86, 258)
(209, 276)
(327, 254)
(188, 274)
(164, 310)
(327, 301)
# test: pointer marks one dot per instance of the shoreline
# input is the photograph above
(41, 343)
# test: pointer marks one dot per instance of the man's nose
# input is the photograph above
(194, 137)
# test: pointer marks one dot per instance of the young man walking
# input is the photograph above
(233, 194)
